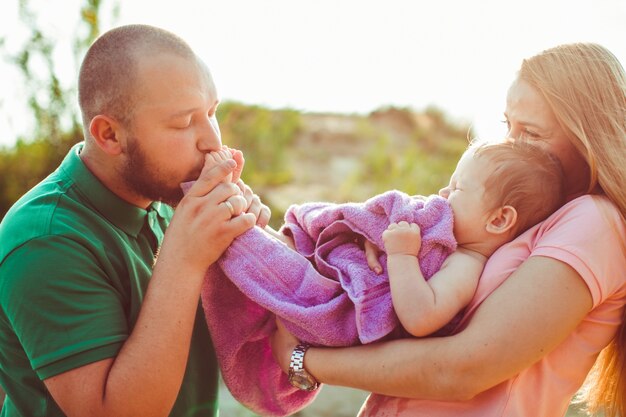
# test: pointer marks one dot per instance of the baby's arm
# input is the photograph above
(425, 306)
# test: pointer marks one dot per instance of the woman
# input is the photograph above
(549, 302)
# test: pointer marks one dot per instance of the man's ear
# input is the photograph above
(502, 220)
(106, 133)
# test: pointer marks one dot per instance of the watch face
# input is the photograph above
(302, 381)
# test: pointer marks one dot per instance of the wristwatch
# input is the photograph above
(298, 376)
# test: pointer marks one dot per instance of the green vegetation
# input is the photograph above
(290, 156)
(28, 162)
(52, 106)
(264, 136)
(419, 164)
(391, 148)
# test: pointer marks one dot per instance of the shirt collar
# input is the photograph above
(122, 214)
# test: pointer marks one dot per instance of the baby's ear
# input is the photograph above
(502, 220)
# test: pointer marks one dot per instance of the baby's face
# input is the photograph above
(466, 195)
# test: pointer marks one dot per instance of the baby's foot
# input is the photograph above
(216, 157)
(237, 155)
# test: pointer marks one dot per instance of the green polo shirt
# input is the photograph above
(75, 262)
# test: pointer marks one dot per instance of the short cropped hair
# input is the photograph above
(523, 176)
(108, 75)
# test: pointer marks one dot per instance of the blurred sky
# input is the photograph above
(349, 56)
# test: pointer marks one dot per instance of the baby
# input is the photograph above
(324, 291)
(497, 191)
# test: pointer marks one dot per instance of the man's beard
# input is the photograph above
(145, 180)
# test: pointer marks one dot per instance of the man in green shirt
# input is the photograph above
(99, 277)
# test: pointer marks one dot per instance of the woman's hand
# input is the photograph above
(283, 343)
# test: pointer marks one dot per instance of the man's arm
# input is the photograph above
(519, 323)
(145, 377)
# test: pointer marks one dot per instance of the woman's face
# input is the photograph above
(529, 117)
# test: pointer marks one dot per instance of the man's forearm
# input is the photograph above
(148, 371)
(145, 377)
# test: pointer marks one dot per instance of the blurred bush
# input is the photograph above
(28, 162)
(418, 158)
(264, 136)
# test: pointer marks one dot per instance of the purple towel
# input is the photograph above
(324, 291)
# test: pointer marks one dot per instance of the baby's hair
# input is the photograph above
(524, 176)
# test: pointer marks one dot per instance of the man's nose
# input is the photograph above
(209, 136)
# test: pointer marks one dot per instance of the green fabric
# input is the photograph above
(75, 262)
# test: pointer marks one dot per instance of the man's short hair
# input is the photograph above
(108, 75)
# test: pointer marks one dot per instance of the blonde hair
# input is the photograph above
(523, 176)
(585, 86)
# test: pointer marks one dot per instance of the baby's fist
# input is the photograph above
(402, 238)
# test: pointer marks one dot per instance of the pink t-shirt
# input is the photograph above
(587, 234)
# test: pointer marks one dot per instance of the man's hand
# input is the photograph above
(254, 205)
(208, 218)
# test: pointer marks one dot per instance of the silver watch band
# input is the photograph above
(297, 357)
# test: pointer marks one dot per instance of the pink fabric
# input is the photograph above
(587, 234)
(324, 292)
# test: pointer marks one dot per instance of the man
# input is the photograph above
(99, 279)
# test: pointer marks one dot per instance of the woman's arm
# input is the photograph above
(533, 311)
